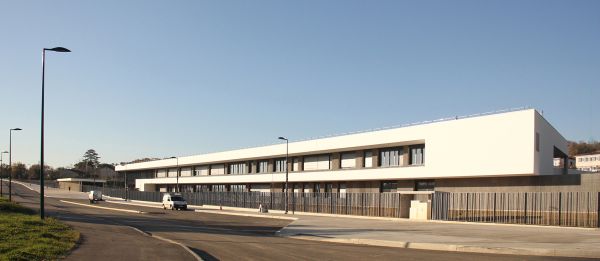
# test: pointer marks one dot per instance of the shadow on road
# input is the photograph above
(205, 256)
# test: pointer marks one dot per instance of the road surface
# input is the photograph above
(106, 235)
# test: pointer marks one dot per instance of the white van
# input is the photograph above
(95, 196)
(174, 201)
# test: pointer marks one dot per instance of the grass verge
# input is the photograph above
(23, 236)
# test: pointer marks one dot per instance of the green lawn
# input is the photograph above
(23, 236)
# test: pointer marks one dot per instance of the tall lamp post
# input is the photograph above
(10, 163)
(60, 50)
(177, 173)
(286, 172)
(1, 170)
(125, 181)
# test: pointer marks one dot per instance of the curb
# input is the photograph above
(583, 253)
(243, 214)
(210, 211)
(115, 209)
(196, 256)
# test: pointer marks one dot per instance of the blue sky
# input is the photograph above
(176, 78)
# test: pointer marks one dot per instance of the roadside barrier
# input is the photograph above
(571, 209)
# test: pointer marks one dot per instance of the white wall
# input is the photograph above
(494, 145)
(549, 138)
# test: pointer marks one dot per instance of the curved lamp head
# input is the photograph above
(58, 49)
(16, 129)
(282, 138)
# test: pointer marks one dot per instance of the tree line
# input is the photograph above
(582, 147)
(88, 167)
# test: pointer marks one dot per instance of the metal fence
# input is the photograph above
(573, 209)
(361, 204)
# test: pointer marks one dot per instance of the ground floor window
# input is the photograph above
(389, 186)
(424, 185)
(238, 188)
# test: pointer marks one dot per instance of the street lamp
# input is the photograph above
(10, 163)
(60, 50)
(177, 174)
(125, 181)
(286, 172)
(1, 170)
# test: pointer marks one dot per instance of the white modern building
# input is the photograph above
(588, 162)
(426, 156)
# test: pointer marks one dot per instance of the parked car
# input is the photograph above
(174, 201)
(95, 196)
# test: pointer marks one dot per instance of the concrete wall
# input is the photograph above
(549, 139)
(555, 183)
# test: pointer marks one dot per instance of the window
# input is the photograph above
(238, 188)
(238, 168)
(320, 162)
(342, 190)
(263, 166)
(537, 141)
(424, 185)
(172, 173)
(348, 160)
(390, 157)
(368, 159)
(202, 188)
(218, 169)
(417, 154)
(317, 188)
(328, 188)
(161, 173)
(201, 171)
(389, 186)
(295, 164)
(185, 172)
(280, 165)
(307, 188)
(219, 188)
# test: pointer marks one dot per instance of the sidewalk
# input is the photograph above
(430, 235)
(450, 236)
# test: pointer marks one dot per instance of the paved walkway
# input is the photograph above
(431, 235)
(465, 237)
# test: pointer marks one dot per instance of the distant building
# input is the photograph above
(588, 162)
(76, 184)
(559, 163)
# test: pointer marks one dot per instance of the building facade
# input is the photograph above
(588, 162)
(411, 158)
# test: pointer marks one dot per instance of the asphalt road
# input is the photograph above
(212, 236)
